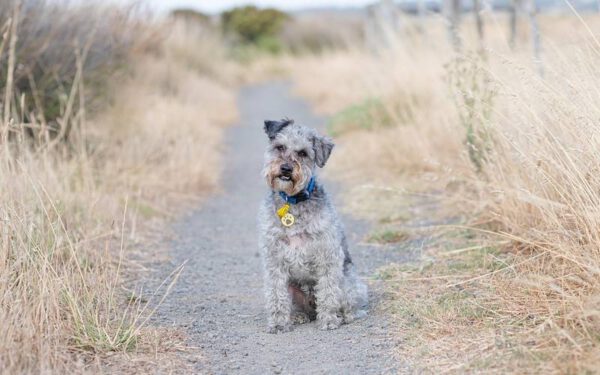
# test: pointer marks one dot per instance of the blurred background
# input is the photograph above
(479, 113)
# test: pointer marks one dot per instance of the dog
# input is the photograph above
(309, 274)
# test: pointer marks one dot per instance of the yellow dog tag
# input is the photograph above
(287, 219)
(283, 210)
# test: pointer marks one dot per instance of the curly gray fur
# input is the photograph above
(307, 264)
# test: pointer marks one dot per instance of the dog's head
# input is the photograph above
(293, 154)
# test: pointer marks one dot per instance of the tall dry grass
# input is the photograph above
(513, 153)
(54, 47)
(71, 209)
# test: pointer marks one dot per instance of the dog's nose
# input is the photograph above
(286, 169)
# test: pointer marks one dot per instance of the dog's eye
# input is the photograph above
(302, 154)
(280, 148)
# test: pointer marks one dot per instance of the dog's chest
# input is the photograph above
(301, 245)
(299, 256)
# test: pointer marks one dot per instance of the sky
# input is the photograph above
(215, 6)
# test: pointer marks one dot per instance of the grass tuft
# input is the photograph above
(388, 236)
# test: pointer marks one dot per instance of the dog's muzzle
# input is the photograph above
(286, 171)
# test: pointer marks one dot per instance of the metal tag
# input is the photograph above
(288, 220)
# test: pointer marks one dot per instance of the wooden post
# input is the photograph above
(479, 22)
(512, 20)
(421, 15)
(535, 35)
(452, 10)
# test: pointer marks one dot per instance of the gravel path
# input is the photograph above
(218, 299)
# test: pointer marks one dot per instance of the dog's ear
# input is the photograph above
(274, 127)
(322, 147)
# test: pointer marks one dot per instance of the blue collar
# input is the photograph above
(301, 196)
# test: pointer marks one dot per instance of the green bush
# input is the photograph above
(254, 26)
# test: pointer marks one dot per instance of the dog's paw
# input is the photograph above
(300, 318)
(280, 328)
(329, 323)
(350, 317)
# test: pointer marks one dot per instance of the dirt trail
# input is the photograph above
(218, 299)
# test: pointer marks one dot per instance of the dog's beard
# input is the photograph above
(281, 185)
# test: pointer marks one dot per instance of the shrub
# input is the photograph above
(251, 25)
(54, 46)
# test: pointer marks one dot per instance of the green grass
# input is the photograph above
(366, 115)
(95, 331)
(384, 273)
(388, 236)
(394, 218)
(92, 337)
(135, 298)
(485, 258)
(144, 209)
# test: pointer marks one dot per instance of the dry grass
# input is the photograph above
(403, 84)
(55, 45)
(312, 33)
(70, 212)
(516, 289)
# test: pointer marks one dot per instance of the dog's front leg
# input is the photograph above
(279, 301)
(328, 293)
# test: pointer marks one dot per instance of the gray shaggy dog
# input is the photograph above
(308, 271)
